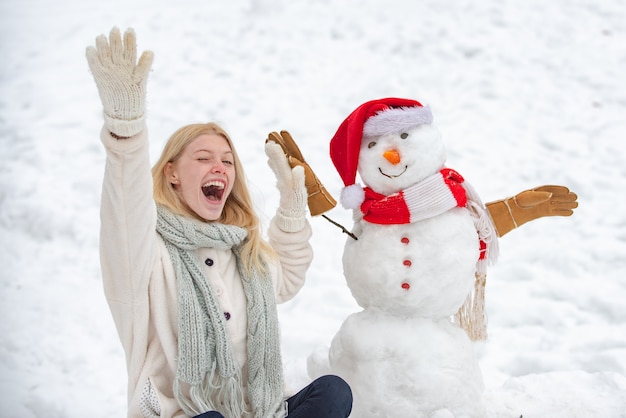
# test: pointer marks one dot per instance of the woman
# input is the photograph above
(191, 284)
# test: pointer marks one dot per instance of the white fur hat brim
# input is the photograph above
(397, 119)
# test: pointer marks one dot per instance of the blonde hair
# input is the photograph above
(238, 209)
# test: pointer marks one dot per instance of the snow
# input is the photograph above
(525, 93)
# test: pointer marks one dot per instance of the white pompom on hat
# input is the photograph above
(371, 119)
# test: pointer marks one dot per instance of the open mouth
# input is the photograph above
(213, 190)
(393, 176)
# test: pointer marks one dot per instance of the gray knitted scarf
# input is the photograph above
(205, 357)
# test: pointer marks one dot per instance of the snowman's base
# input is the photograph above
(413, 367)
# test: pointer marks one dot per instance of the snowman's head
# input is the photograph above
(390, 143)
(395, 161)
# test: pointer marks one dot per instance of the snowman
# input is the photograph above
(416, 263)
(422, 240)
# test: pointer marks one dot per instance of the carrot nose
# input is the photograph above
(392, 155)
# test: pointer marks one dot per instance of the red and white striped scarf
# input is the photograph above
(431, 197)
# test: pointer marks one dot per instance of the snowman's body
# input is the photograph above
(402, 355)
(422, 269)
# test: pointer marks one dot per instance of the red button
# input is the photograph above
(407, 263)
(404, 240)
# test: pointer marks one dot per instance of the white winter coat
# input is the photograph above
(140, 285)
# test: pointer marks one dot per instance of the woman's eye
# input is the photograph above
(371, 144)
(404, 135)
(228, 162)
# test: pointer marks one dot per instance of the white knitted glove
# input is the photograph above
(290, 216)
(121, 81)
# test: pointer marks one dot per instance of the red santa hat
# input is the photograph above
(371, 119)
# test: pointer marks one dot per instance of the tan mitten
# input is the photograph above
(319, 200)
(515, 211)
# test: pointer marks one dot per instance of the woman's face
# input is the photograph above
(204, 175)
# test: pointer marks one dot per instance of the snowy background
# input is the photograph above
(525, 93)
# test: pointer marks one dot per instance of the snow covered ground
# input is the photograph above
(525, 93)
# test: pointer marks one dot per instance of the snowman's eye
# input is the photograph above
(371, 144)
(404, 135)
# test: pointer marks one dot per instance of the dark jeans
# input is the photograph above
(327, 397)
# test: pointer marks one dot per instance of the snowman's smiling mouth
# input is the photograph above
(393, 176)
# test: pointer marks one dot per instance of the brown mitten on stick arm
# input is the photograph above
(515, 211)
(319, 200)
